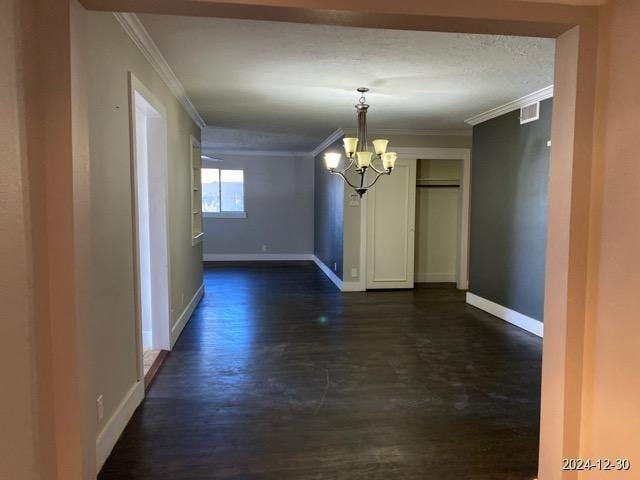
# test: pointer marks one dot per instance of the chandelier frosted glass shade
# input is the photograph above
(332, 160)
(380, 146)
(363, 160)
(389, 160)
(350, 146)
(359, 156)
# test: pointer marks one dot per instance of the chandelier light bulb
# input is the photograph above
(332, 160)
(380, 146)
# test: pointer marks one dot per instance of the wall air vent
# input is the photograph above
(530, 113)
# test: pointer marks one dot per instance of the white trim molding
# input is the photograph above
(177, 327)
(139, 35)
(338, 133)
(529, 324)
(113, 428)
(536, 96)
(353, 286)
(412, 132)
(251, 153)
(435, 153)
(256, 257)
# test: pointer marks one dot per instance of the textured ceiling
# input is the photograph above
(285, 87)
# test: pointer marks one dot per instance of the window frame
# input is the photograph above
(226, 213)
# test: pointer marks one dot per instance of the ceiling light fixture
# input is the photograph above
(358, 154)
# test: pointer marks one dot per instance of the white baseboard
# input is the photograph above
(110, 433)
(352, 287)
(430, 277)
(177, 328)
(248, 257)
(338, 282)
(519, 320)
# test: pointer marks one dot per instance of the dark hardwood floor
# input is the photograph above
(280, 376)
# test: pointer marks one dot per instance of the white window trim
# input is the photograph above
(225, 214)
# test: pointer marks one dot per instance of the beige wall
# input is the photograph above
(113, 310)
(43, 414)
(350, 233)
(83, 210)
(19, 457)
(609, 376)
(610, 425)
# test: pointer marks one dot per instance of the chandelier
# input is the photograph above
(358, 154)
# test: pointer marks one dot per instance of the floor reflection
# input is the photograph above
(278, 375)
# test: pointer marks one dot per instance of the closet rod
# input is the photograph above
(438, 186)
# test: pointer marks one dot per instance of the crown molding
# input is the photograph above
(136, 31)
(337, 134)
(467, 132)
(536, 96)
(219, 154)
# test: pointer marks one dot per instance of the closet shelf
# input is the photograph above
(438, 182)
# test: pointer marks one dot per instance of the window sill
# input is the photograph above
(197, 239)
(225, 214)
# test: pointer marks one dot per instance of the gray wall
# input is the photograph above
(279, 205)
(329, 213)
(509, 182)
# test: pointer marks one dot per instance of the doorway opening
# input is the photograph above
(438, 213)
(431, 186)
(150, 225)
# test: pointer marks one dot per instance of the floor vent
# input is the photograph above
(530, 113)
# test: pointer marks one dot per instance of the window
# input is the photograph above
(223, 193)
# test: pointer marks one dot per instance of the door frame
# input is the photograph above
(57, 138)
(427, 153)
(161, 332)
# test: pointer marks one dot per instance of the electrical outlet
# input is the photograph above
(354, 272)
(335, 266)
(100, 407)
(264, 248)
